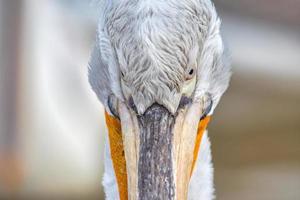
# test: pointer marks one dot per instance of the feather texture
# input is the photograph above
(143, 49)
(150, 43)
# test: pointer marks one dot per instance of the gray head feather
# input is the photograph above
(150, 43)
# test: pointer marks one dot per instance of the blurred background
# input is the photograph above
(51, 124)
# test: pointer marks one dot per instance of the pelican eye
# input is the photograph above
(190, 81)
(122, 74)
(190, 73)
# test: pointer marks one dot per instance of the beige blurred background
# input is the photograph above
(51, 123)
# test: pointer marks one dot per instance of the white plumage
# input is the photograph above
(143, 50)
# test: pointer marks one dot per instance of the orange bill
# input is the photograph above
(117, 150)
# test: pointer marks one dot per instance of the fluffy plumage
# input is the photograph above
(150, 43)
(143, 49)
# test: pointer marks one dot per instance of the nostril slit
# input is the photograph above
(132, 105)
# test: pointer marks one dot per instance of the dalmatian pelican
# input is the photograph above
(158, 68)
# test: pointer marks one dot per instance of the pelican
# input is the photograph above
(159, 69)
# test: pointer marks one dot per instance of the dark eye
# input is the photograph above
(190, 73)
(122, 74)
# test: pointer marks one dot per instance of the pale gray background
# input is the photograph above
(52, 126)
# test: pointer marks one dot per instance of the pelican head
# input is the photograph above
(158, 68)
